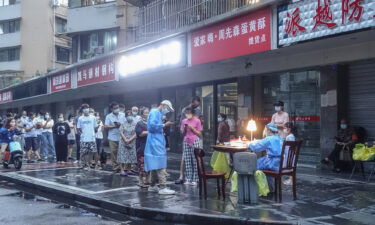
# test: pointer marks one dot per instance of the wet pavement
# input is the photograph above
(323, 197)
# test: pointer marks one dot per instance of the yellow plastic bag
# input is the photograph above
(234, 182)
(261, 180)
(358, 151)
(363, 153)
(219, 163)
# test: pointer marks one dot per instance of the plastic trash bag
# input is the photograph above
(363, 153)
(234, 182)
(219, 163)
(261, 180)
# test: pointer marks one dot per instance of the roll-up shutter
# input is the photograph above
(362, 96)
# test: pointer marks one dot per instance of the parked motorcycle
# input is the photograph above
(13, 155)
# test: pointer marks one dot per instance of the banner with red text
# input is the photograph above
(6, 96)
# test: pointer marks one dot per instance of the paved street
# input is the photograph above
(323, 198)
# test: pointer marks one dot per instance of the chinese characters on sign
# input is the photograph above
(6, 96)
(293, 118)
(96, 72)
(243, 35)
(61, 82)
(309, 19)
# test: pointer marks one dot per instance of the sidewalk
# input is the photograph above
(322, 198)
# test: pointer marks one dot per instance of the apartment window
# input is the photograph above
(97, 43)
(9, 54)
(83, 3)
(11, 26)
(62, 54)
(60, 25)
(7, 2)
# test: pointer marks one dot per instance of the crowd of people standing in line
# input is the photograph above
(137, 139)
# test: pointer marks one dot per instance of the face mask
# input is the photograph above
(129, 119)
(24, 116)
(41, 117)
(97, 118)
(71, 120)
(189, 116)
(219, 119)
(86, 111)
(116, 111)
(343, 126)
(47, 117)
(135, 113)
(61, 119)
(164, 111)
(277, 108)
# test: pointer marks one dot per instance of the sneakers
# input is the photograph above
(179, 181)
(166, 191)
(154, 189)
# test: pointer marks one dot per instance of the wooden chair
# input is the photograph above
(288, 167)
(205, 175)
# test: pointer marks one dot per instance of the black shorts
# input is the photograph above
(31, 143)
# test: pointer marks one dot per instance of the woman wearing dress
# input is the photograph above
(127, 155)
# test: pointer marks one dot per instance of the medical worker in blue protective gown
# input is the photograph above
(155, 150)
(272, 144)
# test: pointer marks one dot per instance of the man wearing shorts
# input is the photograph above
(86, 127)
(31, 138)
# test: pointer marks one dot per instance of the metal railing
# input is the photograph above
(162, 16)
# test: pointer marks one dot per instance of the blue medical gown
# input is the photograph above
(272, 145)
(155, 152)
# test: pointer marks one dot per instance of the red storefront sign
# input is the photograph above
(6, 96)
(61, 82)
(293, 118)
(247, 34)
(97, 72)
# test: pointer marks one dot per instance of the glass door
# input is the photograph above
(227, 95)
(206, 93)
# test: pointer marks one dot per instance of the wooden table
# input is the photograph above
(231, 150)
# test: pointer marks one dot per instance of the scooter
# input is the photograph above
(13, 155)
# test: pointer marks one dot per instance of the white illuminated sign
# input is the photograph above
(310, 19)
(165, 55)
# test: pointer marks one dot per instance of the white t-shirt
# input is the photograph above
(99, 134)
(87, 124)
(50, 123)
(72, 134)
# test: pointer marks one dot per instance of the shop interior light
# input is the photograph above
(251, 126)
(165, 55)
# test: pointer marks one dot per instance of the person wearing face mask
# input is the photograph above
(223, 130)
(141, 132)
(191, 129)
(61, 130)
(86, 127)
(272, 145)
(99, 138)
(48, 147)
(38, 121)
(127, 156)
(112, 123)
(155, 150)
(280, 118)
(7, 132)
(343, 138)
(31, 138)
(71, 136)
(137, 117)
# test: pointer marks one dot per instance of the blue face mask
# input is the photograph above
(343, 126)
(129, 119)
(219, 119)
(47, 117)
(116, 111)
(85, 111)
(164, 111)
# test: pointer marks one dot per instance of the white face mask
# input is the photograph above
(277, 108)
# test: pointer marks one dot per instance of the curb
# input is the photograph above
(59, 193)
